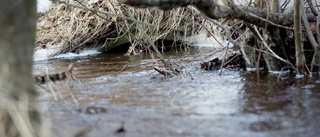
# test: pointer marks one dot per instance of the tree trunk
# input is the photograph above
(250, 46)
(300, 58)
(271, 35)
(18, 98)
(274, 41)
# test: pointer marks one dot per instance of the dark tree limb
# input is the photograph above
(317, 52)
(215, 10)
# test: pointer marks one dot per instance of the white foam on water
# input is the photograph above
(44, 54)
(83, 53)
(280, 72)
(299, 76)
(253, 69)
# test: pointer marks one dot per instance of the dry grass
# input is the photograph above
(19, 117)
(72, 29)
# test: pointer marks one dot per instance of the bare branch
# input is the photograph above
(256, 32)
(311, 38)
(312, 7)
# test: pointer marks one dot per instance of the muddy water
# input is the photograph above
(209, 104)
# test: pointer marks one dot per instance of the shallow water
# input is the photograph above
(231, 104)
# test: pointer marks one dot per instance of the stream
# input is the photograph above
(117, 95)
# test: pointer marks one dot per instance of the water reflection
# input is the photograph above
(286, 105)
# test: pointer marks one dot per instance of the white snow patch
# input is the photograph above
(43, 5)
(204, 40)
(42, 54)
(93, 1)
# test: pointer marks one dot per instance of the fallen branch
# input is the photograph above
(164, 72)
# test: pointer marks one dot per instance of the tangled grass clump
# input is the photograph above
(107, 23)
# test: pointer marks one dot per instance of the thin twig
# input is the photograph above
(95, 12)
(50, 87)
(208, 31)
(121, 70)
(103, 12)
(258, 62)
(269, 49)
(224, 58)
(235, 43)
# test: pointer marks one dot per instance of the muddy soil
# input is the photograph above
(117, 95)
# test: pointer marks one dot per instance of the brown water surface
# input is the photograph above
(232, 104)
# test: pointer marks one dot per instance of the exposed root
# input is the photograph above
(213, 64)
(234, 61)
